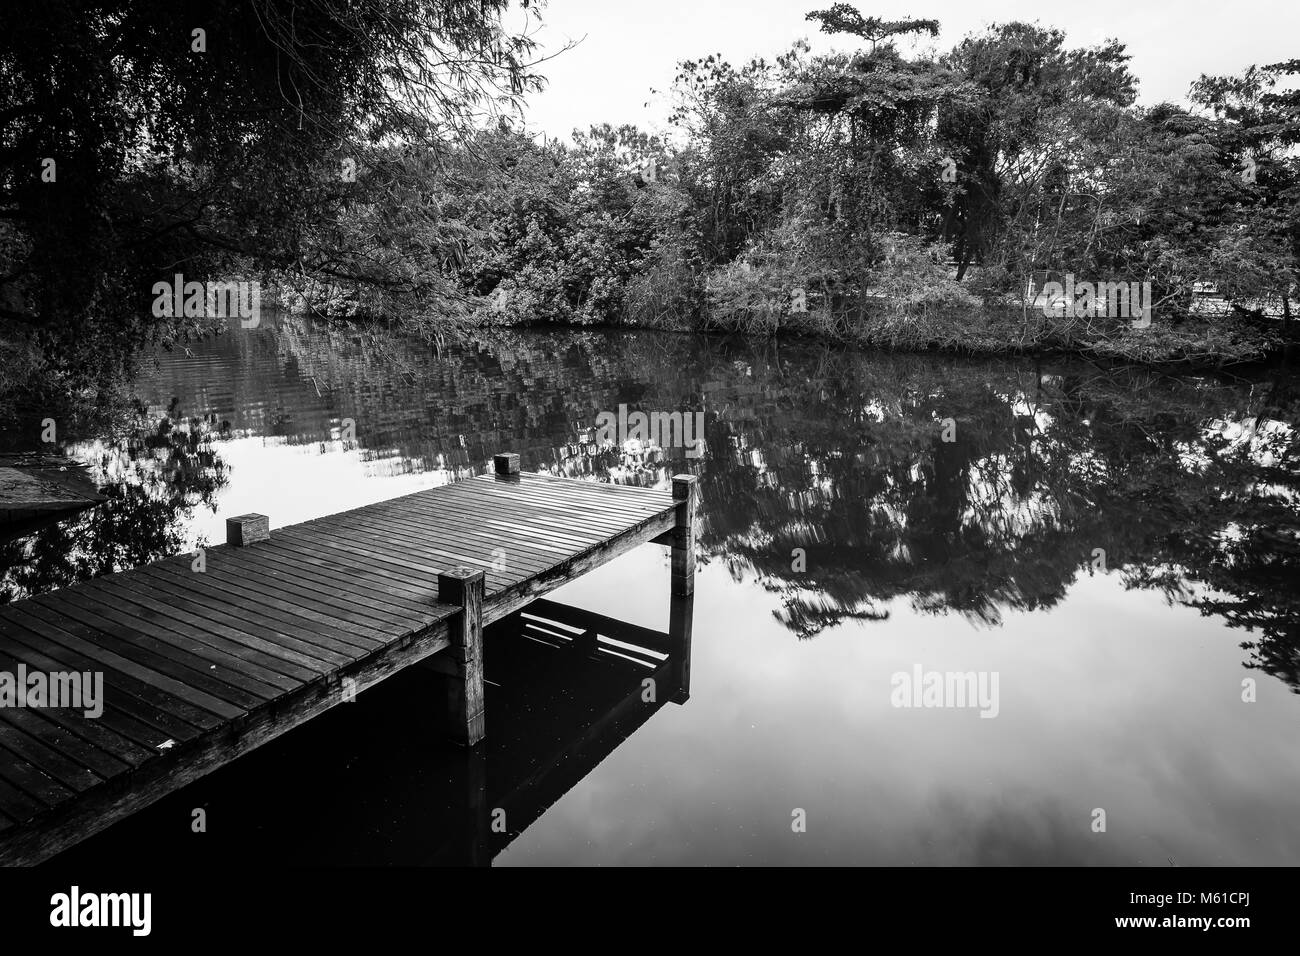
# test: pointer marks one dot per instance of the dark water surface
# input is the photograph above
(1118, 547)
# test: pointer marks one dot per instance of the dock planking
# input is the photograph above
(201, 667)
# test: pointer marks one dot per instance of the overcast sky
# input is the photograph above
(631, 47)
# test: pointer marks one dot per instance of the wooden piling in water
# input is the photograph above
(463, 588)
(685, 490)
(681, 610)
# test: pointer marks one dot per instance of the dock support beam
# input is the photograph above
(463, 588)
(685, 490)
(682, 600)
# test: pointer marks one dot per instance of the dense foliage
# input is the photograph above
(144, 138)
(903, 202)
(357, 158)
(872, 197)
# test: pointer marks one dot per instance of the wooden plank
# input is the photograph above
(360, 590)
(438, 543)
(131, 740)
(422, 541)
(267, 635)
(29, 780)
(48, 760)
(515, 597)
(415, 598)
(16, 804)
(339, 613)
(624, 495)
(174, 707)
(44, 725)
(73, 821)
(527, 531)
(315, 657)
(191, 675)
(429, 528)
(590, 512)
(552, 512)
(288, 666)
(342, 590)
(252, 603)
(564, 508)
(388, 564)
(593, 495)
(379, 557)
(239, 680)
(265, 600)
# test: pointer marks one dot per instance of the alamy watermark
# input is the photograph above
(221, 300)
(953, 689)
(665, 429)
(75, 909)
(56, 689)
(1083, 300)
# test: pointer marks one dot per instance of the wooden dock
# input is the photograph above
(200, 666)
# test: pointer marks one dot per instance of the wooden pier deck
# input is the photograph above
(200, 666)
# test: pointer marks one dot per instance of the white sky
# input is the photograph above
(631, 47)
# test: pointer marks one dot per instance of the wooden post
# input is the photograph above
(463, 588)
(681, 610)
(685, 491)
(506, 466)
(245, 529)
(682, 600)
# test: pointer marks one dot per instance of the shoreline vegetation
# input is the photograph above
(1193, 341)
(894, 194)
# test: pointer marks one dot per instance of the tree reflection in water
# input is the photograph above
(1185, 484)
(153, 475)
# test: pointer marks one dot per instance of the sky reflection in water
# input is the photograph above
(1120, 547)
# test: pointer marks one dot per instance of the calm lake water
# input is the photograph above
(1118, 548)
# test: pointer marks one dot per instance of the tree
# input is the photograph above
(1259, 130)
(144, 137)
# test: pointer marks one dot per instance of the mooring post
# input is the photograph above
(463, 588)
(245, 529)
(682, 600)
(506, 466)
(685, 490)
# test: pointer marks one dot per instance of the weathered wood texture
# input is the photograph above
(463, 588)
(247, 529)
(685, 491)
(200, 667)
